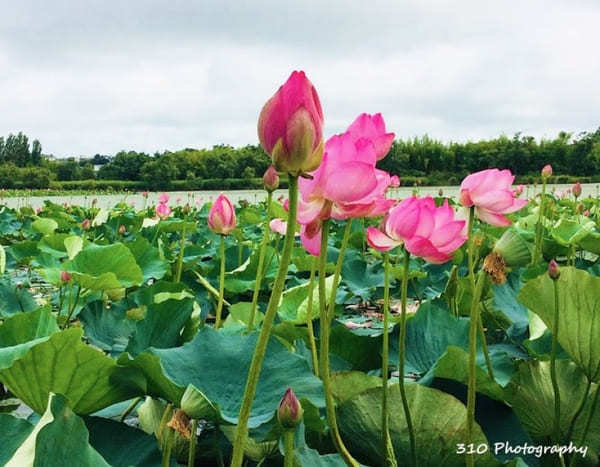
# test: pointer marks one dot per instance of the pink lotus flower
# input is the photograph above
(163, 211)
(65, 276)
(586, 213)
(547, 171)
(271, 179)
(85, 224)
(290, 126)
(278, 226)
(519, 190)
(346, 185)
(577, 190)
(372, 127)
(286, 205)
(221, 217)
(163, 199)
(395, 181)
(290, 410)
(145, 194)
(489, 191)
(427, 231)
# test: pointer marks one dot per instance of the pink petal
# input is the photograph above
(278, 225)
(309, 211)
(380, 241)
(349, 182)
(492, 218)
(311, 238)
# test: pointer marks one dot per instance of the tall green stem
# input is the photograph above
(263, 338)
(556, 429)
(338, 269)
(470, 461)
(193, 441)
(180, 258)
(401, 359)
(388, 449)
(261, 261)
(309, 323)
(539, 228)
(288, 441)
(221, 283)
(324, 348)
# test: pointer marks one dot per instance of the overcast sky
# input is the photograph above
(88, 77)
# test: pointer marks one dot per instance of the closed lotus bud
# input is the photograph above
(145, 194)
(290, 126)
(85, 225)
(586, 213)
(547, 171)
(440, 192)
(290, 410)
(271, 179)
(65, 277)
(122, 230)
(577, 190)
(553, 270)
(221, 217)
(94, 201)
(163, 211)
(394, 181)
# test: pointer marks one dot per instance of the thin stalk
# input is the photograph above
(324, 353)
(193, 442)
(390, 458)
(74, 305)
(263, 338)
(579, 409)
(220, 462)
(309, 323)
(588, 422)
(470, 461)
(180, 258)
(261, 261)
(221, 283)
(167, 447)
(288, 441)
(539, 226)
(167, 439)
(484, 347)
(401, 359)
(130, 408)
(338, 269)
(556, 429)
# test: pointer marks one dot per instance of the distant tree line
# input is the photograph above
(421, 159)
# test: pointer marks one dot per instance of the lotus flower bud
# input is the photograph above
(85, 225)
(221, 217)
(394, 181)
(290, 126)
(163, 211)
(547, 171)
(122, 230)
(94, 201)
(440, 192)
(553, 270)
(65, 277)
(577, 190)
(271, 179)
(145, 194)
(586, 213)
(290, 410)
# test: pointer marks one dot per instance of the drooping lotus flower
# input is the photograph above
(427, 231)
(490, 192)
(290, 126)
(221, 217)
(163, 211)
(346, 185)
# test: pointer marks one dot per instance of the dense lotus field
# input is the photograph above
(337, 326)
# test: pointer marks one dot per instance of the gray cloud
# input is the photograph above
(91, 76)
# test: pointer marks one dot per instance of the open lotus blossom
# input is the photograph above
(221, 217)
(490, 192)
(372, 127)
(163, 198)
(290, 126)
(346, 185)
(163, 211)
(430, 232)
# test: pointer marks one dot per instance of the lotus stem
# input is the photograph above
(588, 423)
(324, 347)
(309, 323)
(261, 261)
(402, 357)
(388, 449)
(180, 257)
(556, 429)
(579, 409)
(193, 441)
(470, 461)
(221, 283)
(338, 269)
(167, 438)
(263, 338)
(130, 408)
(537, 255)
(288, 440)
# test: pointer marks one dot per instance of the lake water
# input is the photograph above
(253, 196)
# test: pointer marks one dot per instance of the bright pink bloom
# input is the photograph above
(547, 171)
(278, 226)
(286, 204)
(271, 179)
(372, 127)
(346, 185)
(431, 232)
(290, 126)
(163, 211)
(395, 181)
(221, 217)
(489, 191)
(163, 199)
